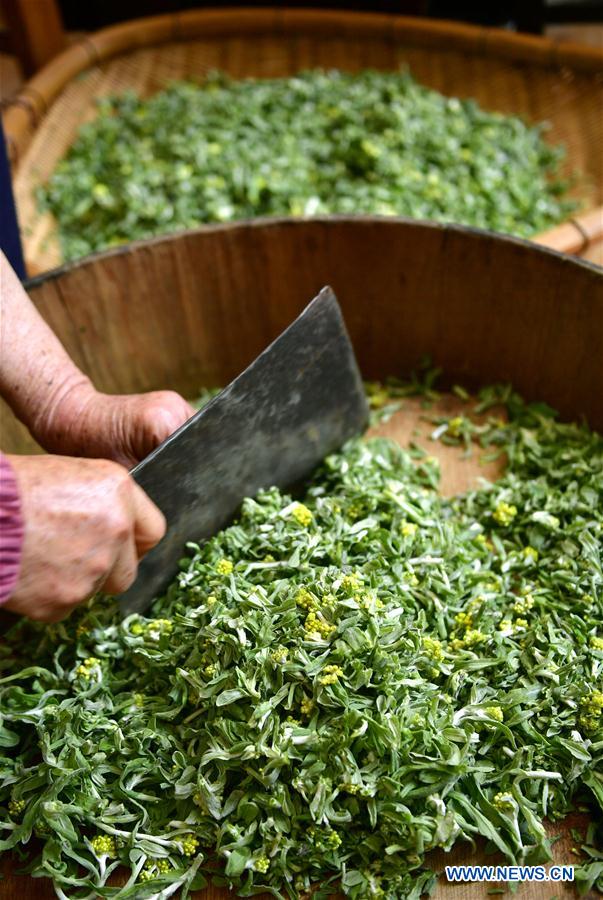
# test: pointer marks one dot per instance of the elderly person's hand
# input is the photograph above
(121, 427)
(86, 525)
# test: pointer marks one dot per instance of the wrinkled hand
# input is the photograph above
(121, 427)
(87, 524)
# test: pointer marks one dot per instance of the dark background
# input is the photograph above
(523, 15)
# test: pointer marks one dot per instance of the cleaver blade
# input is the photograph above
(301, 399)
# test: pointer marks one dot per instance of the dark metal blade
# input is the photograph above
(301, 399)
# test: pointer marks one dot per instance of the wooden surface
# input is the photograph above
(581, 236)
(594, 253)
(411, 423)
(533, 77)
(589, 33)
(195, 309)
(414, 423)
(36, 31)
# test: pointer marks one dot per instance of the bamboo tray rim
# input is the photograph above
(279, 222)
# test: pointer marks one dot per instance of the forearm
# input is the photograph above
(37, 377)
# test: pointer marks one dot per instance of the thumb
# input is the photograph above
(159, 415)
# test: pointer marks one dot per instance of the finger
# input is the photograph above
(149, 522)
(124, 570)
(164, 416)
(181, 408)
(150, 419)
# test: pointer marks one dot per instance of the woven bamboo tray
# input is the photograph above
(193, 309)
(529, 76)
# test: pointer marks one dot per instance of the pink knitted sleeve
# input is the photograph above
(11, 529)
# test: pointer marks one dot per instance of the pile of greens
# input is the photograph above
(317, 143)
(333, 685)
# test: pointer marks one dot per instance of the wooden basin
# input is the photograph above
(193, 310)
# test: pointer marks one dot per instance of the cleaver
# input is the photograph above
(301, 399)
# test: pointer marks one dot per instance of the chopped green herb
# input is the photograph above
(332, 686)
(313, 144)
